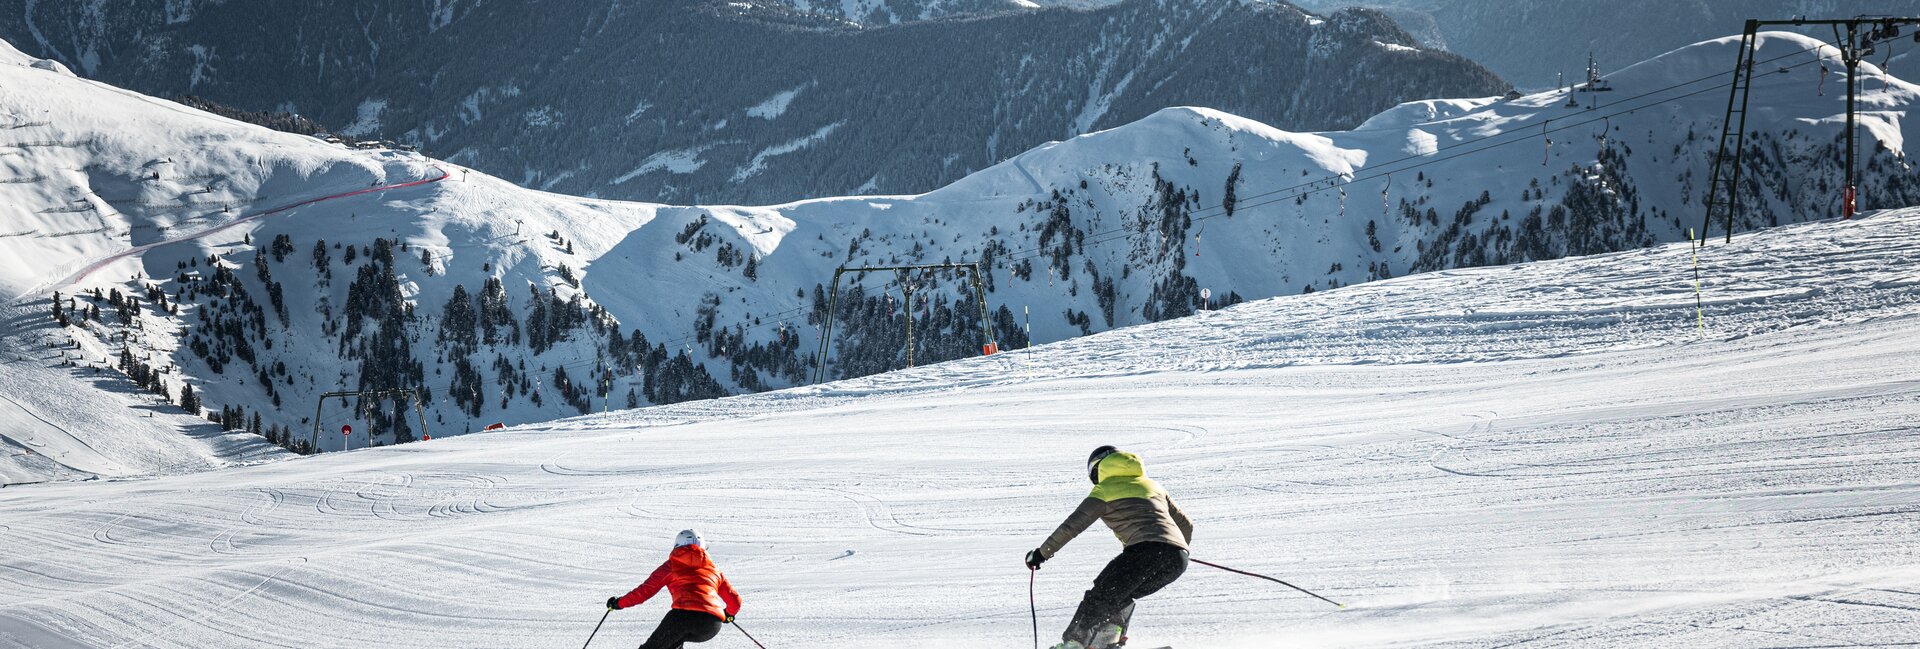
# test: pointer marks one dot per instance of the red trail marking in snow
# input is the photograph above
(102, 263)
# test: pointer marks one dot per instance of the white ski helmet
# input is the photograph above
(688, 537)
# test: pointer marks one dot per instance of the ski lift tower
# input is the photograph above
(1594, 82)
(970, 270)
(377, 395)
(1863, 33)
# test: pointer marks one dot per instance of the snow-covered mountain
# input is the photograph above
(743, 102)
(887, 12)
(265, 268)
(1530, 41)
(1551, 454)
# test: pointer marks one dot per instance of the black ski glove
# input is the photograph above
(613, 603)
(1034, 560)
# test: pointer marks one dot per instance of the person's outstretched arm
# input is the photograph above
(646, 590)
(1077, 522)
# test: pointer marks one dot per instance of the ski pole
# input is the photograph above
(596, 628)
(1249, 574)
(1033, 604)
(743, 632)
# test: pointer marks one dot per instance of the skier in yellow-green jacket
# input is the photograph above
(1151, 527)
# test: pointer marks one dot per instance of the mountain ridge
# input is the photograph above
(611, 112)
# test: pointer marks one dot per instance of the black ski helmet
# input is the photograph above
(1093, 462)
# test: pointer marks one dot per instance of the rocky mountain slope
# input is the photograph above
(744, 102)
(1530, 41)
(887, 12)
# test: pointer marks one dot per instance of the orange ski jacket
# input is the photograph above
(695, 584)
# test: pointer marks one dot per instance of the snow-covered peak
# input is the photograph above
(1773, 50)
(1427, 110)
(10, 55)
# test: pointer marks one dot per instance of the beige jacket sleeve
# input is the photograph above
(1180, 519)
(1083, 516)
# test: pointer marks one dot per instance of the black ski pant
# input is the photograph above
(680, 627)
(1140, 570)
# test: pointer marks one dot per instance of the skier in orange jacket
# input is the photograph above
(702, 598)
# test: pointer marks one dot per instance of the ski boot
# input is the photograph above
(1108, 636)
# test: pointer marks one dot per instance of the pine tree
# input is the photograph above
(494, 311)
(538, 334)
(458, 320)
(1232, 195)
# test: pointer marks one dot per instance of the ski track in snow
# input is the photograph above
(96, 265)
(1531, 456)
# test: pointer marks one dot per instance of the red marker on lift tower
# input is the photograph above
(346, 436)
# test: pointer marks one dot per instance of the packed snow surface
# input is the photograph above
(1554, 454)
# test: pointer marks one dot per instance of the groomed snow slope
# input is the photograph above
(1550, 455)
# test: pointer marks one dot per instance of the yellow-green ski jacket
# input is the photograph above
(1132, 505)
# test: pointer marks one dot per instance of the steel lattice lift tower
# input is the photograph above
(1862, 34)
